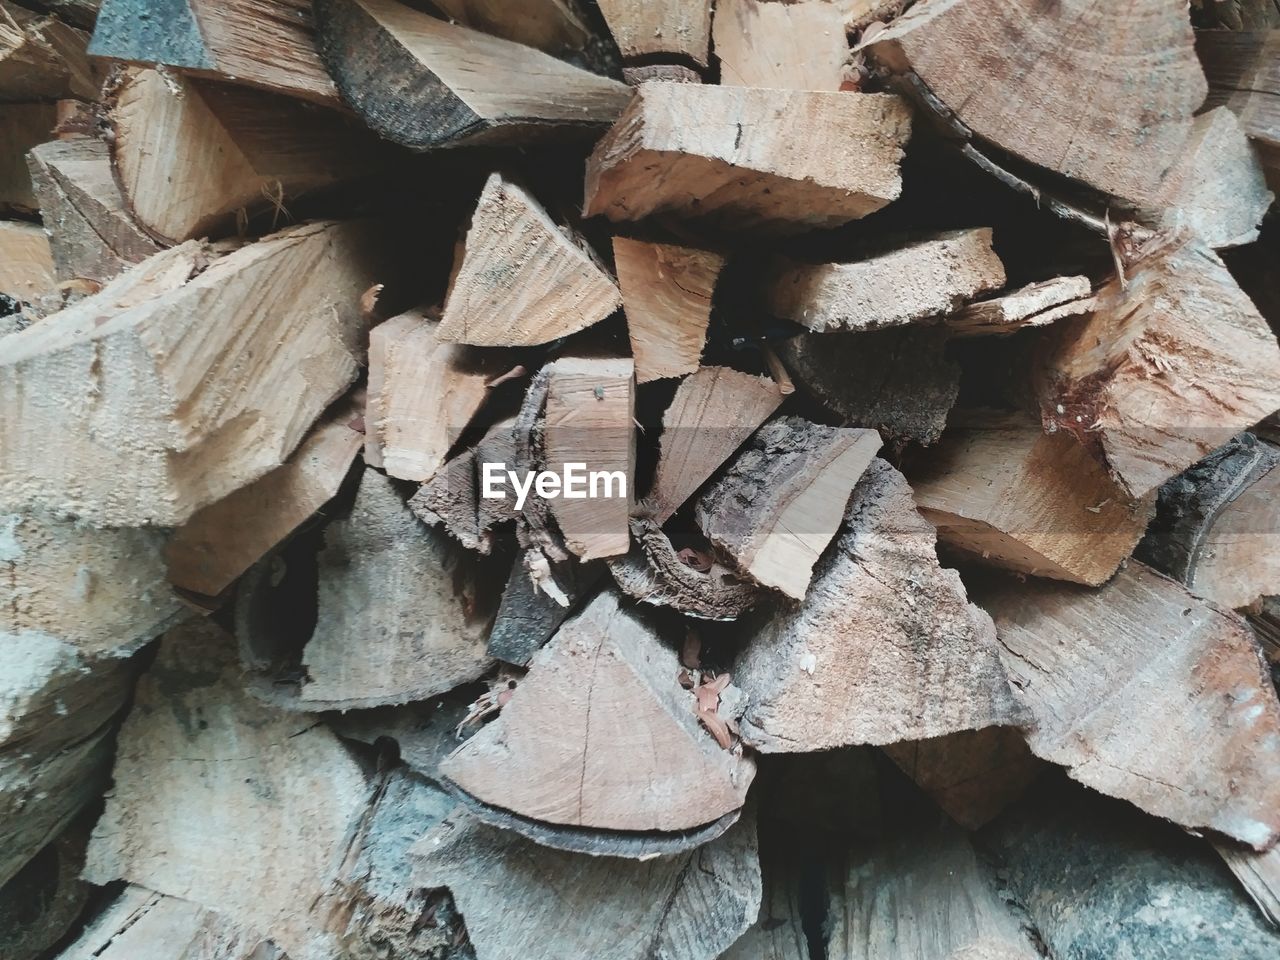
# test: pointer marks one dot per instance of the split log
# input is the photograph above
(1241, 67)
(40, 906)
(1258, 873)
(223, 540)
(666, 293)
(790, 46)
(664, 72)
(1143, 382)
(249, 815)
(42, 58)
(425, 83)
(601, 735)
(523, 280)
(554, 26)
(678, 148)
(590, 419)
(885, 648)
(1005, 493)
(899, 382)
(910, 284)
(1035, 305)
(22, 126)
(190, 155)
(523, 902)
(169, 409)
(26, 261)
(141, 925)
(1156, 697)
(92, 235)
(923, 898)
(711, 415)
(972, 775)
(527, 617)
(781, 501)
(1215, 525)
(268, 44)
(675, 30)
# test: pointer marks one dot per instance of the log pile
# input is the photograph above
(540, 479)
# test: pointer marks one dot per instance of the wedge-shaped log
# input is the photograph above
(1243, 69)
(524, 902)
(600, 734)
(26, 260)
(789, 46)
(1144, 382)
(781, 501)
(666, 293)
(913, 283)
(422, 82)
(42, 58)
(1156, 697)
(166, 397)
(1035, 305)
(886, 646)
(269, 44)
(1004, 492)
(677, 149)
(523, 279)
(669, 30)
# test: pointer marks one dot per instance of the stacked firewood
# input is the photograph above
(515, 479)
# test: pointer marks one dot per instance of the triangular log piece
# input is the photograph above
(923, 897)
(1258, 873)
(1215, 525)
(223, 540)
(453, 499)
(523, 279)
(590, 423)
(998, 67)
(95, 236)
(885, 648)
(1035, 305)
(190, 154)
(269, 44)
(524, 902)
(914, 283)
(1146, 693)
(677, 150)
(161, 396)
(900, 382)
(711, 415)
(677, 30)
(26, 261)
(423, 82)
(601, 734)
(22, 126)
(789, 46)
(42, 58)
(666, 293)
(555, 26)
(528, 617)
(142, 925)
(404, 611)
(972, 775)
(1144, 382)
(1244, 76)
(781, 501)
(1006, 493)
(223, 801)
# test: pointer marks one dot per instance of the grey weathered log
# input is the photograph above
(527, 617)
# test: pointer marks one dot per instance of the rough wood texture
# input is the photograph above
(527, 617)
(425, 83)
(776, 508)
(778, 933)
(665, 29)
(1144, 382)
(1006, 493)
(917, 282)
(600, 734)
(711, 415)
(161, 398)
(223, 540)
(885, 648)
(191, 155)
(1145, 693)
(679, 148)
(999, 67)
(923, 897)
(268, 44)
(590, 419)
(26, 261)
(22, 126)
(523, 279)
(225, 802)
(551, 25)
(523, 902)
(1259, 874)
(666, 293)
(1035, 305)
(1241, 66)
(42, 58)
(92, 235)
(789, 46)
